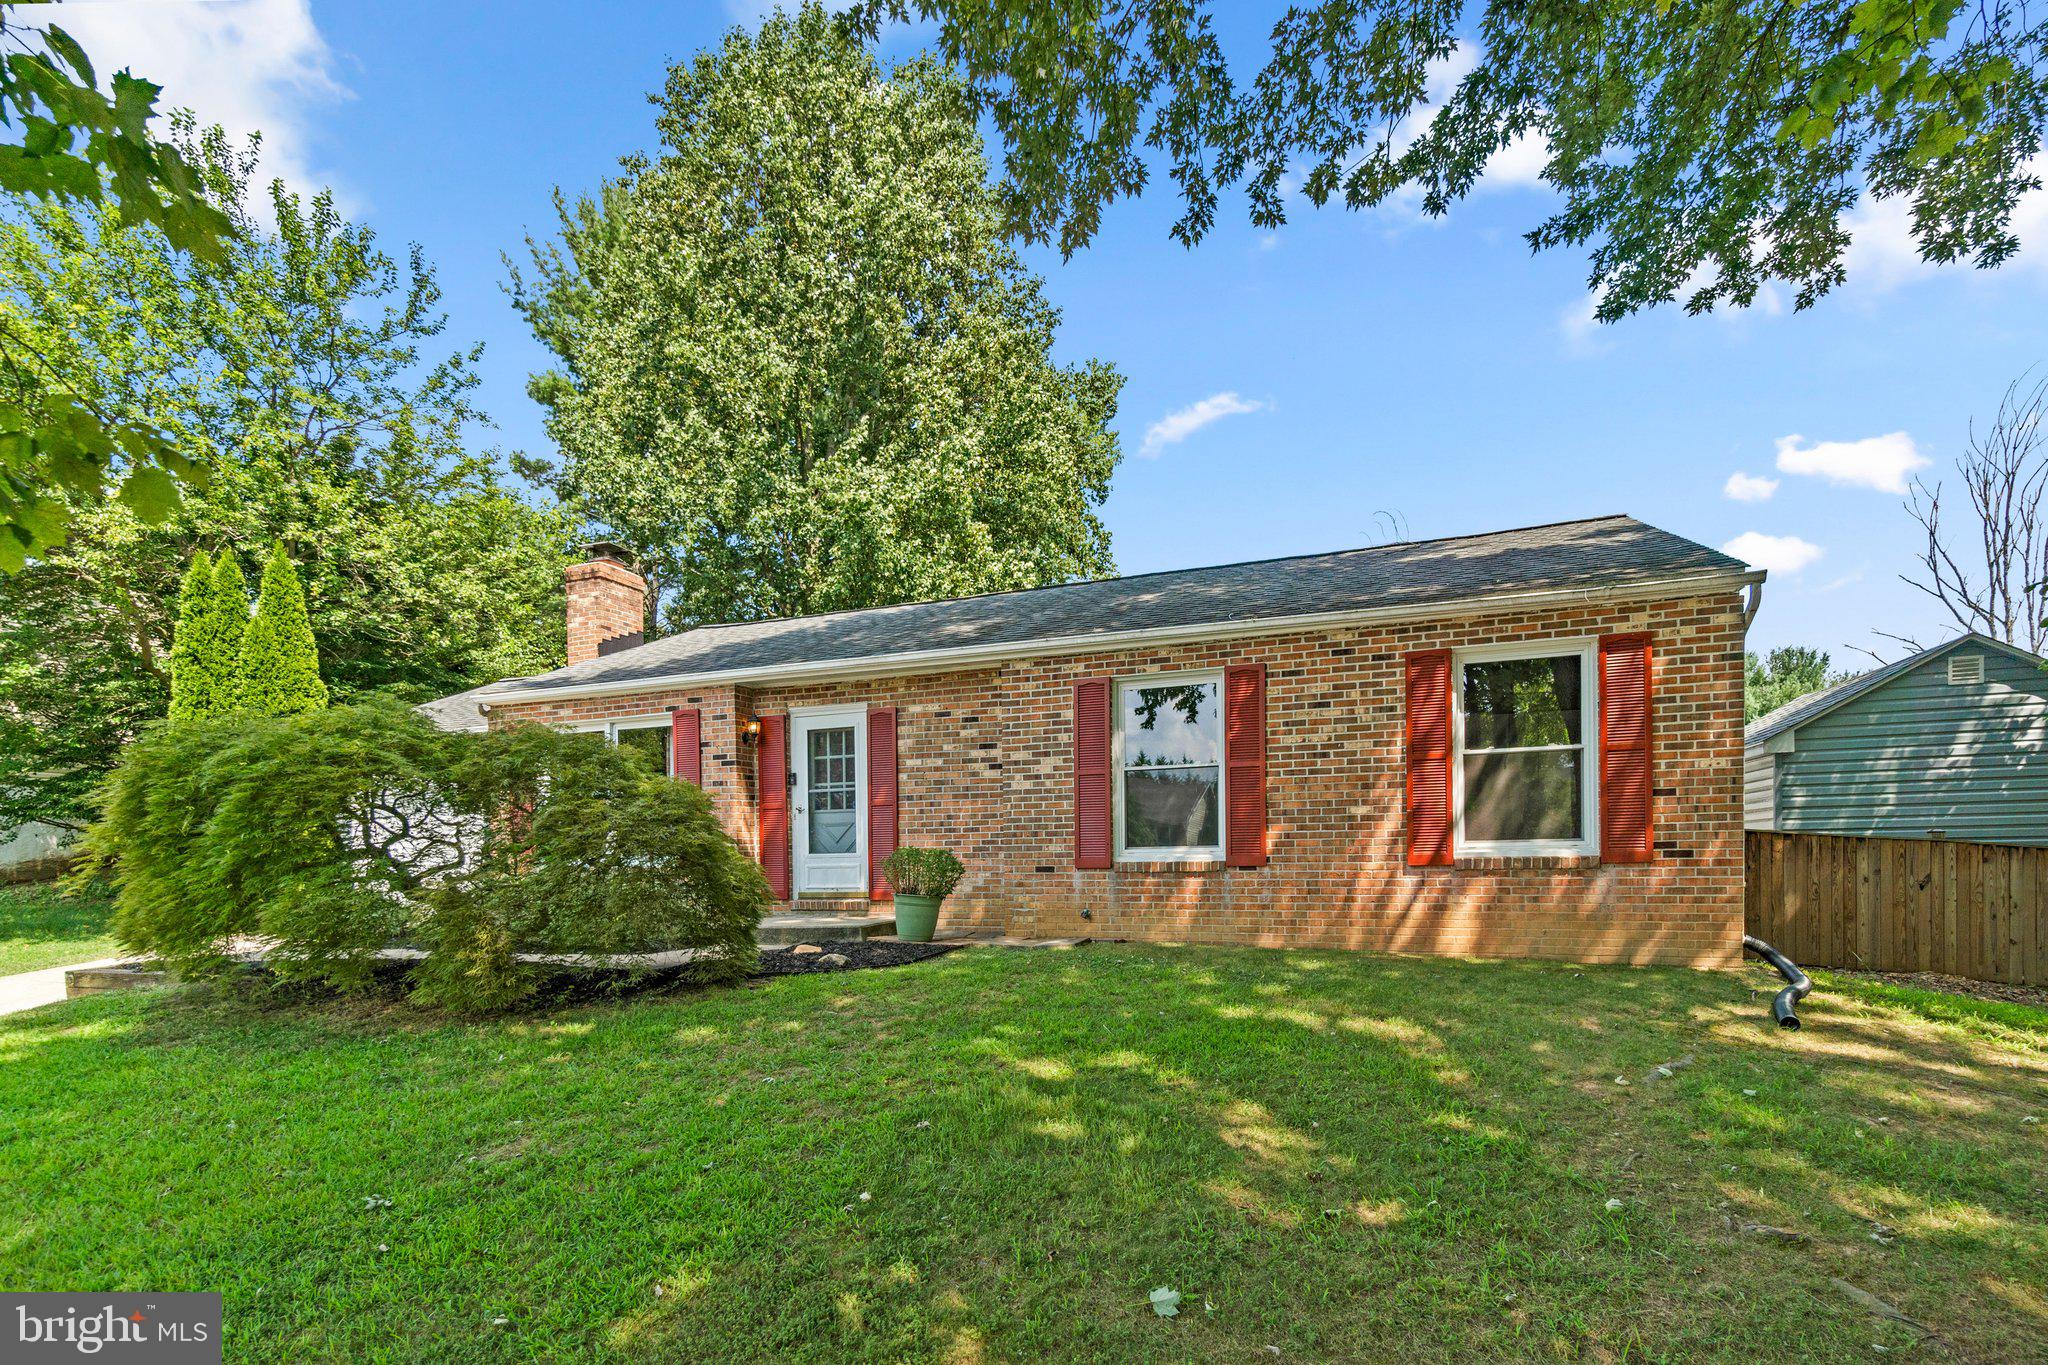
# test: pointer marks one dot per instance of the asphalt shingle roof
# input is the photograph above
(1600, 552)
(459, 710)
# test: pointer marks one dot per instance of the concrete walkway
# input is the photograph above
(33, 990)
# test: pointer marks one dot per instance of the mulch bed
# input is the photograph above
(582, 985)
(1954, 985)
(858, 955)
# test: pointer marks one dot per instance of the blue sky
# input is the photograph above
(1288, 392)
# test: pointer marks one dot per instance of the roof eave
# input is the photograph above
(969, 656)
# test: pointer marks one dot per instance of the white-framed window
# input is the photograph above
(1167, 761)
(1526, 735)
(651, 735)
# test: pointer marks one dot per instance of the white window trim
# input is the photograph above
(610, 728)
(1205, 854)
(1588, 650)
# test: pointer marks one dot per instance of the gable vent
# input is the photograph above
(1966, 668)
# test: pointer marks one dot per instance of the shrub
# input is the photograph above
(341, 833)
(923, 871)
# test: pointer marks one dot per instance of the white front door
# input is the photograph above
(828, 805)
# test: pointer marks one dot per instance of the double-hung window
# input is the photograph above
(1527, 733)
(1169, 768)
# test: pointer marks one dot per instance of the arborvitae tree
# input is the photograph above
(213, 613)
(280, 665)
(189, 678)
(223, 625)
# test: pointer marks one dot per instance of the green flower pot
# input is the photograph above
(916, 917)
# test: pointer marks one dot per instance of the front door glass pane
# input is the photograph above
(831, 781)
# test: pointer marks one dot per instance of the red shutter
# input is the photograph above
(1091, 773)
(774, 788)
(1429, 759)
(1244, 763)
(686, 745)
(881, 797)
(1625, 754)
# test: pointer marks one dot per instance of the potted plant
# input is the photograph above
(922, 877)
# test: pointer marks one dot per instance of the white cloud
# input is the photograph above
(1877, 462)
(1778, 554)
(1176, 427)
(248, 65)
(1837, 584)
(1580, 329)
(1519, 164)
(1749, 487)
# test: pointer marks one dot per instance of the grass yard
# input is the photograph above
(999, 1154)
(41, 927)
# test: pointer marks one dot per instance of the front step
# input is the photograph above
(846, 907)
(811, 927)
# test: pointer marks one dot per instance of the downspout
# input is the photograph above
(1755, 599)
(1796, 986)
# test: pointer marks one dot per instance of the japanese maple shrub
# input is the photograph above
(340, 833)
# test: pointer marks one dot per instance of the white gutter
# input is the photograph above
(966, 657)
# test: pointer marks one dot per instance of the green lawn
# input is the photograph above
(999, 1154)
(42, 927)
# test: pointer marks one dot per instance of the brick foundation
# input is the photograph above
(986, 770)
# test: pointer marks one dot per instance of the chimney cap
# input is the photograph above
(611, 550)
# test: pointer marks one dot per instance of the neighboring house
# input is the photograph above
(33, 852)
(459, 710)
(1518, 744)
(1951, 743)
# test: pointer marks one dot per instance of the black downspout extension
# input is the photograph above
(1794, 992)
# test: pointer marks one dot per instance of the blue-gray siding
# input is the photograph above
(1916, 755)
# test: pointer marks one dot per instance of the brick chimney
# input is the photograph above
(607, 602)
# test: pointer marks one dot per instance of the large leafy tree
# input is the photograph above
(298, 365)
(63, 140)
(801, 369)
(1699, 149)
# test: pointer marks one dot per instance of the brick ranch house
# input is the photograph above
(1522, 744)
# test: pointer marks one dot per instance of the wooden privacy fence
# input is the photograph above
(1902, 905)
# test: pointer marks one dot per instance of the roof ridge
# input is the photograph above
(1149, 573)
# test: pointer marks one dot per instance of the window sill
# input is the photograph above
(1527, 862)
(1170, 865)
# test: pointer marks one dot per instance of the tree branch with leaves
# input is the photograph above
(1700, 150)
(63, 140)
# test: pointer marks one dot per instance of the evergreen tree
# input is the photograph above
(222, 626)
(280, 664)
(213, 613)
(189, 681)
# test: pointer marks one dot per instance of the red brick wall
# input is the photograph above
(986, 770)
(606, 600)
